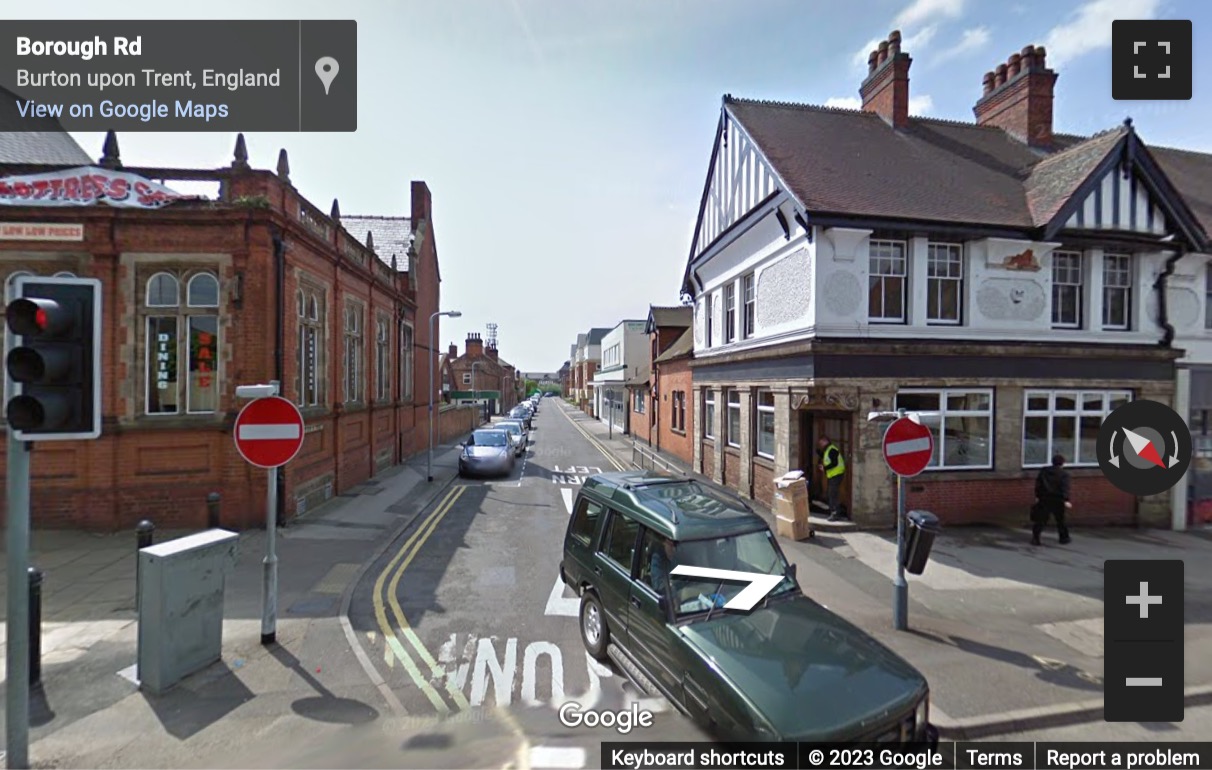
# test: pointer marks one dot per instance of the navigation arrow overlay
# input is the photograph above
(1144, 448)
(1174, 460)
(760, 584)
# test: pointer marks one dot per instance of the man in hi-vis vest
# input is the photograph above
(833, 465)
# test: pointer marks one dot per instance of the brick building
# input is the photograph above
(587, 361)
(664, 327)
(1012, 284)
(482, 378)
(200, 296)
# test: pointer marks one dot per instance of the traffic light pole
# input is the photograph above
(269, 592)
(17, 628)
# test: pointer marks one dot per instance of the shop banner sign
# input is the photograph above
(85, 186)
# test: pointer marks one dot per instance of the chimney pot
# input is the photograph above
(894, 43)
(1001, 74)
(1041, 55)
(988, 83)
(883, 51)
(1013, 66)
(873, 61)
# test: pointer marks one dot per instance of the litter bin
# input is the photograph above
(922, 527)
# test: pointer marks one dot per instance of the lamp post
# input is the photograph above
(433, 352)
(475, 394)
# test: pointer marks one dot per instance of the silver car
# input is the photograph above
(519, 433)
(488, 452)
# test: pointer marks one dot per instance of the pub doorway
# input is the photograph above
(838, 427)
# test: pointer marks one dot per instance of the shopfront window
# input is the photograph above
(181, 343)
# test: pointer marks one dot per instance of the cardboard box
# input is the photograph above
(791, 501)
(792, 529)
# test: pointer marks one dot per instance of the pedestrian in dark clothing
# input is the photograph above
(1051, 500)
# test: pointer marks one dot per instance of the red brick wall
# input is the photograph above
(763, 482)
(732, 468)
(675, 376)
(708, 458)
(162, 467)
(1095, 500)
(641, 423)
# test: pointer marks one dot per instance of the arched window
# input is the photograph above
(203, 291)
(163, 291)
(311, 384)
(299, 296)
(313, 310)
(181, 346)
(354, 367)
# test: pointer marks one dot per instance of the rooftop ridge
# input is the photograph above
(1081, 145)
(373, 216)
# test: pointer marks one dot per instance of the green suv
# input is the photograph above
(786, 670)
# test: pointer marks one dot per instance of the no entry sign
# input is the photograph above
(269, 432)
(908, 447)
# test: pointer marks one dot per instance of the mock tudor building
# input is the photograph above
(202, 295)
(1013, 284)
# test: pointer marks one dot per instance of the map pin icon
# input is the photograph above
(327, 69)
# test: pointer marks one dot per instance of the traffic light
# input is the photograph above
(54, 359)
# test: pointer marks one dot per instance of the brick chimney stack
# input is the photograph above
(492, 352)
(453, 351)
(1017, 97)
(885, 91)
(475, 345)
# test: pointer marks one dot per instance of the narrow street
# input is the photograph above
(466, 609)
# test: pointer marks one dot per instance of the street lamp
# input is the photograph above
(475, 394)
(433, 352)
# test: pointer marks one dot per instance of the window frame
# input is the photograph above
(310, 324)
(466, 378)
(1077, 413)
(353, 339)
(873, 277)
(729, 312)
(935, 284)
(383, 366)
(183, 315)
(582, 511)
(709, 413)
(604, 542)
(760, 409)
(708, 312)
(407, 362)
(1127, 289)
(939, 431)
(730, 407)
(1078, 289)
(749, 314)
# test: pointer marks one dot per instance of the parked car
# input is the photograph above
(521, 426)
(787, 670)
(487, 452)
(520, 413)
(517, 435)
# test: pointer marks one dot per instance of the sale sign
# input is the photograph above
(85, 186)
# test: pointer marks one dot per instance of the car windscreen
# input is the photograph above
(489, 438)
(750, 552)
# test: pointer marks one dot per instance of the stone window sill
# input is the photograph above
(765, 462)
(679, 432)
(733, 451)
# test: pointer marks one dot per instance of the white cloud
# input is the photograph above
(971, 40)
(918, 105)
(910, 44)
(921, 11)
(1089, 27)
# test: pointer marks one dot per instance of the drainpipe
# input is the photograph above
(280, 341)
(1163, 318)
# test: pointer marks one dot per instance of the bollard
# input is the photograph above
(145, 535)
(212, 510)
(35, 626)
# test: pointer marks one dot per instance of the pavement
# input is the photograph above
(1009, 635)
(423, 625)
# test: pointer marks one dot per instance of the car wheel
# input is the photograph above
(594, 632)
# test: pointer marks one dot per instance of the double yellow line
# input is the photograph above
(393, 648)
(610, 458)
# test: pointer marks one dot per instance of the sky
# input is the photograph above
(567, 142)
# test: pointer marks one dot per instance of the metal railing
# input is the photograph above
(649, 460)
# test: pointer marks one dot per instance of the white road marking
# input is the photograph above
(557, 756)
(597, 672)
(567, 495)
(558, 604)
(503, 672)
(906, 447)
(530, 682)
(268, 432)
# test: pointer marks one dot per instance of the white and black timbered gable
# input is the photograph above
(739, 180)
(1128, 193)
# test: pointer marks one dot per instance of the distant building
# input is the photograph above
(624, 348)
(482, 378)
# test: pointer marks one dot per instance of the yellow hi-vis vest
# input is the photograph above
(838, 469)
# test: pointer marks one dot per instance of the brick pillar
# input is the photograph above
(721, 414)
(1008, 429)
(745, 478)
(696, 443)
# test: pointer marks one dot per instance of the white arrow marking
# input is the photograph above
(1138, 441)
(1174, 460)
(759, 584)
(906, 447)
(268, 431)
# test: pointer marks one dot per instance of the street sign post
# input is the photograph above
(908, 446)
(268, 434)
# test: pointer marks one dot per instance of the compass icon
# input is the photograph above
(1144, 448)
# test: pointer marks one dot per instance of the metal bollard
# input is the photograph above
(212, 510)
(145, 535)
(35, 626)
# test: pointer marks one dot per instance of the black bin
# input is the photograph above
(922, 527)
